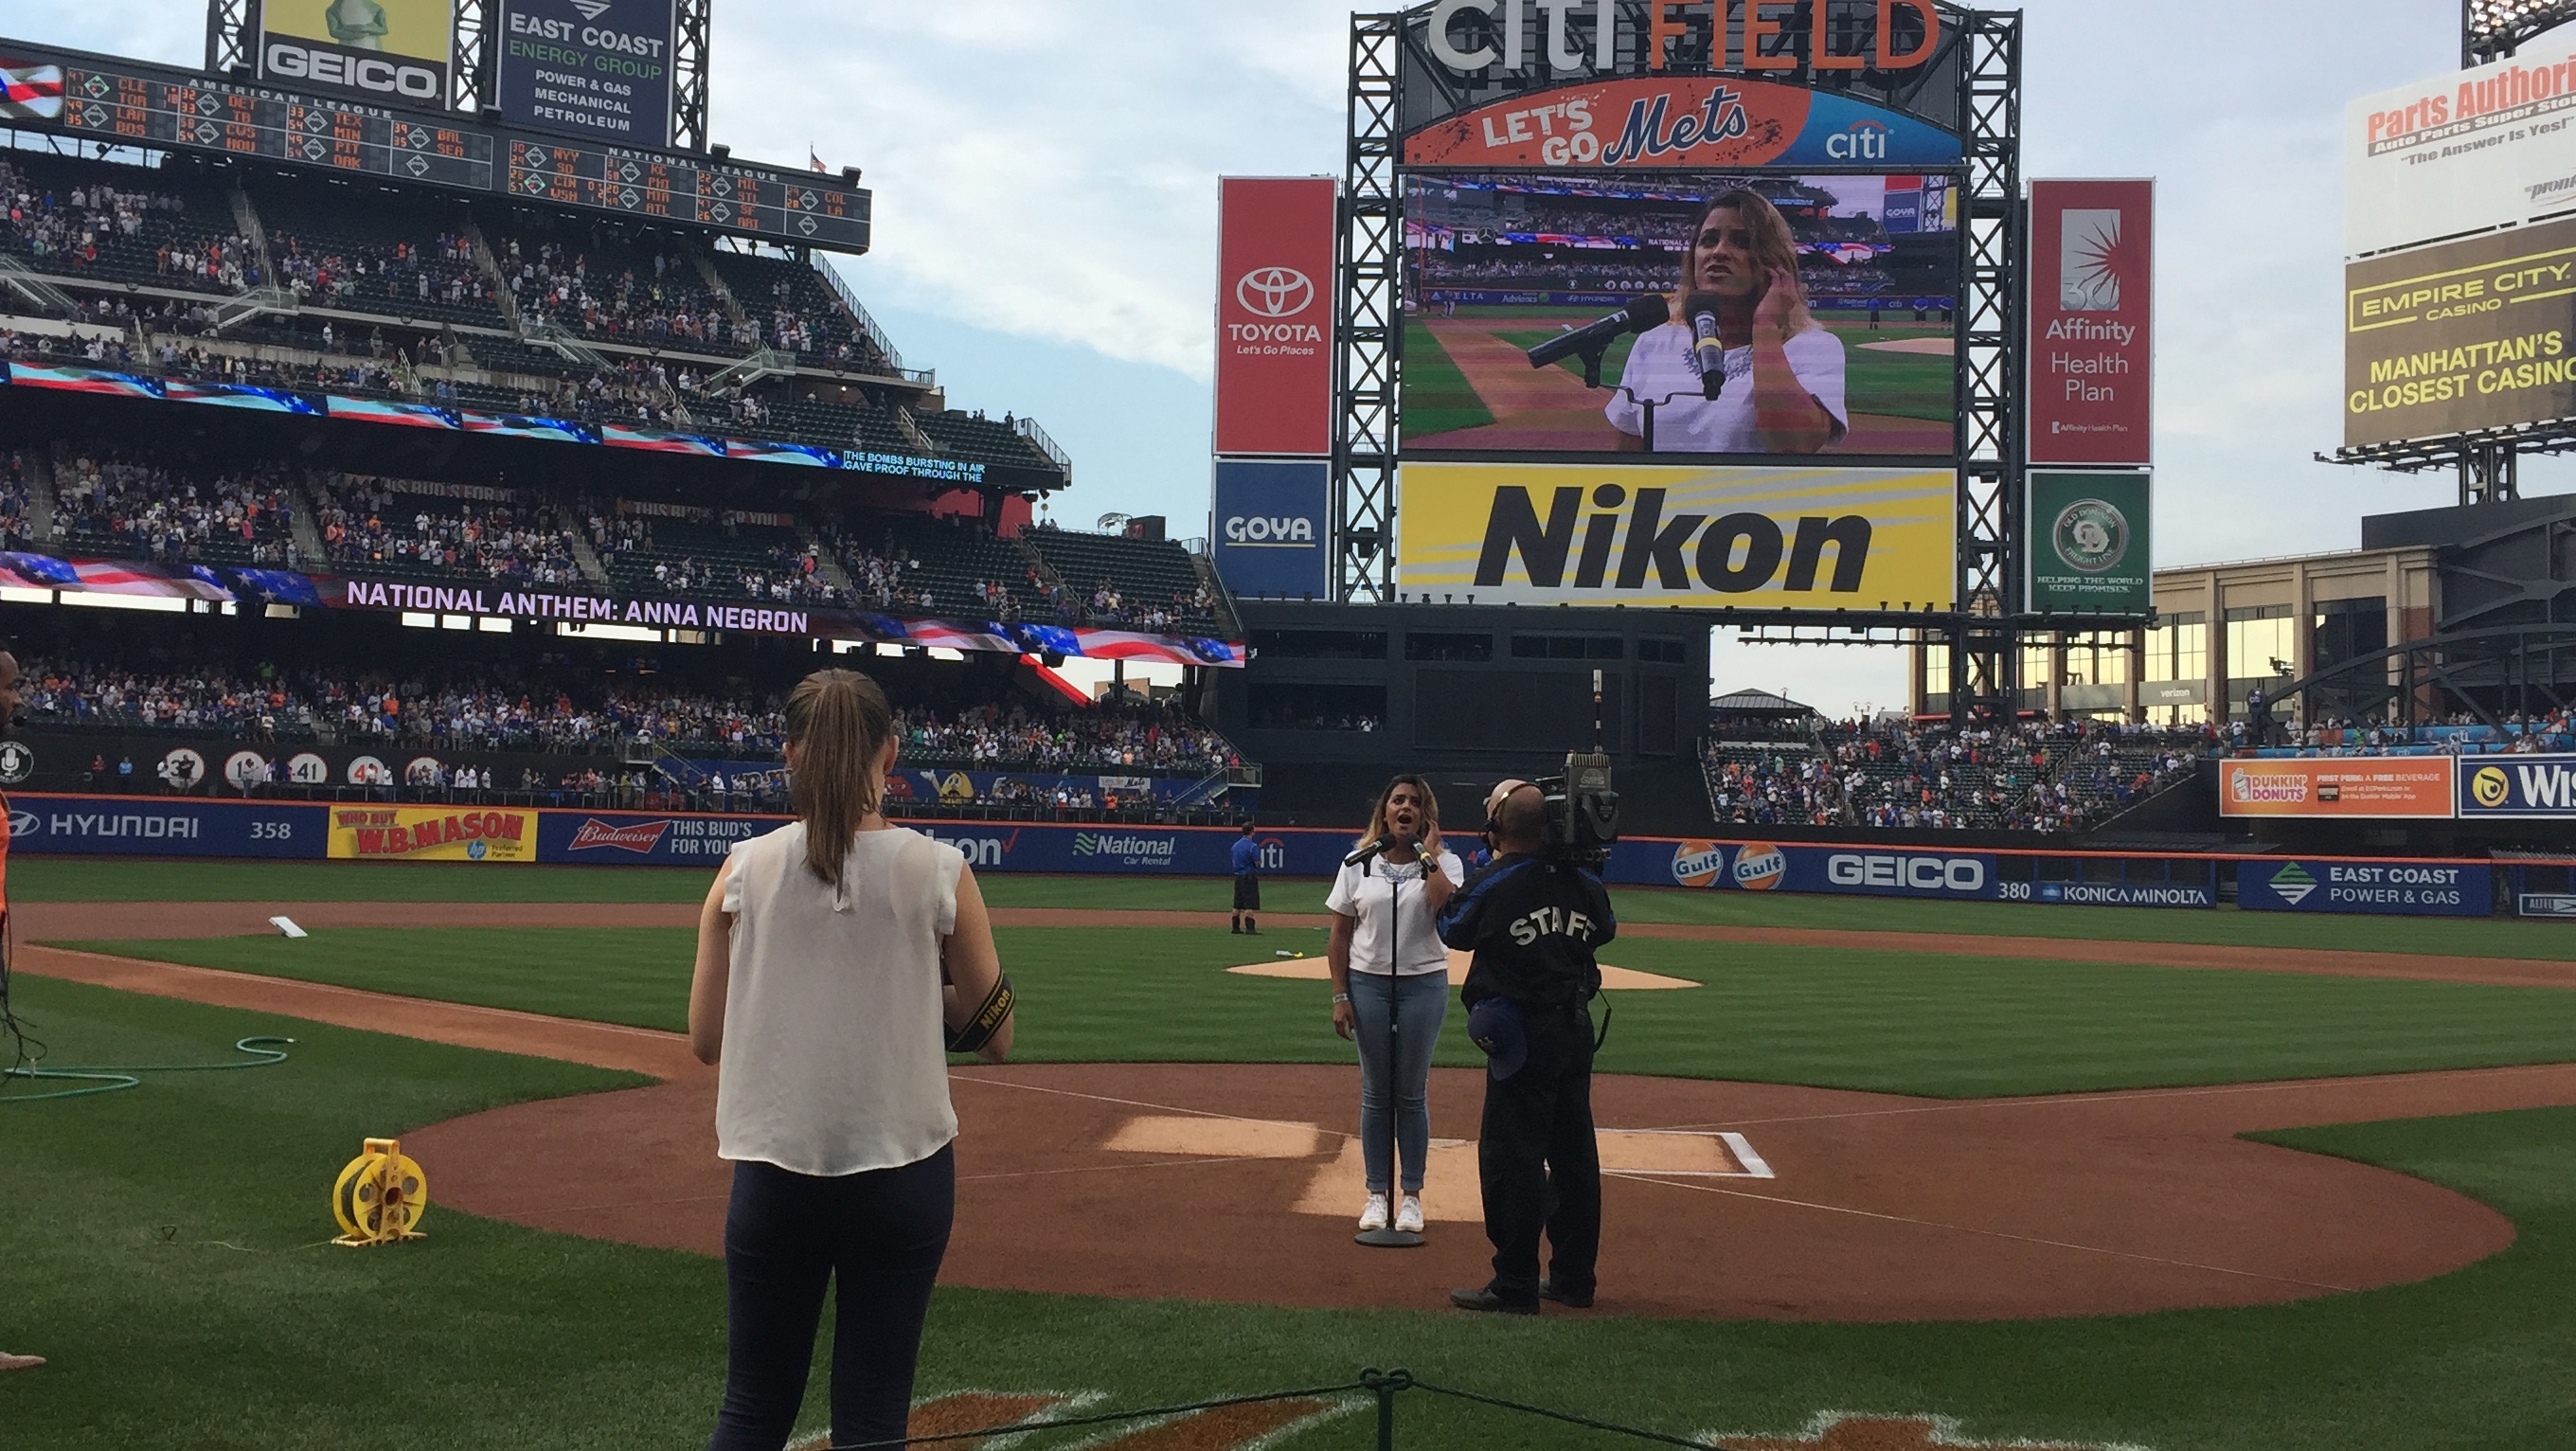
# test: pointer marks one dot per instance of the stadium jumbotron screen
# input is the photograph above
(1498, 264)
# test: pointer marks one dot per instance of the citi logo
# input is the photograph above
(1274, 292)
(1258, 529)
(1865, 141)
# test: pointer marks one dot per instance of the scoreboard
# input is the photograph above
(135, 103)
(210, 115)
(709, 193)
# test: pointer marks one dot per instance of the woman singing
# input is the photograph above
(1389, 969)
(818, 994)
(1784, 371)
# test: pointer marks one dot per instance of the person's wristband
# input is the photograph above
(1341, 997)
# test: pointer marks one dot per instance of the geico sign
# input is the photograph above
(287, 60)
(1910, 873)
(1733, 554)
(1255, 529)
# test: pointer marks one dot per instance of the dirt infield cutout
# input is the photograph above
(1315, 969)
(1336, 1186)
(1845, 1431)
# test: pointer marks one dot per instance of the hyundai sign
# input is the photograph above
(1267, 526)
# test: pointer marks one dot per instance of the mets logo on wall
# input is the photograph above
(1760, 866)
(1697, 863)
(2490, 787)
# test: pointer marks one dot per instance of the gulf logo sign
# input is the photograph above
(1760, 866)
(1698, 863)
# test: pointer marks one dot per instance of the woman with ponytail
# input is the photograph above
(840, 960)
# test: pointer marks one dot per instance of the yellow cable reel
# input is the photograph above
(379, 1197)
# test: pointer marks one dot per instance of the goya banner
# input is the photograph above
(2405, 889)
(2415, 787)
(1664, 535)
(2527, 786)
(433, 833)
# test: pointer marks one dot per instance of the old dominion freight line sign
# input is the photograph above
(2088, 546)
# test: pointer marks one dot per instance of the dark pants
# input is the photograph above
(883, 1234)
(1247, 892)
(1540, 1166)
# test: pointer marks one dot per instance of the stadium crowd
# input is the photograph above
(385, 276)
(1897, 774)
(366, 522)
(101, 496)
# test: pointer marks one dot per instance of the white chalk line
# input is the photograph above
(1650, 1178)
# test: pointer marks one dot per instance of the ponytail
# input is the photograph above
(839, 722)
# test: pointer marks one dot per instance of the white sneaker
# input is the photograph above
(1373, 1213)
(1408, 1215)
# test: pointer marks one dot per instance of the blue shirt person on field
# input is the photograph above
(1247, 882)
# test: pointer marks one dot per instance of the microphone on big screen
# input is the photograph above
(1645, 310)
(1701, 309)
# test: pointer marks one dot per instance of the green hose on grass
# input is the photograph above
(117, 1077)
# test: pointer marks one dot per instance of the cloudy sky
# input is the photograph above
(1045, 177)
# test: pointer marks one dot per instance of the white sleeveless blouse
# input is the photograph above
(834, 1059)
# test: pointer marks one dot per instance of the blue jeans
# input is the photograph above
(1417, 1004)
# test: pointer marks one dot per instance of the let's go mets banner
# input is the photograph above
(1657, 534)
(2350, 786)
(433, 833)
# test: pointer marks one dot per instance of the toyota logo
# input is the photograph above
(1274, 291)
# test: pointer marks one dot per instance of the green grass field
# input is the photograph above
(1437, 397)
(72, 879)
(163, 1249)
(1920, 1023)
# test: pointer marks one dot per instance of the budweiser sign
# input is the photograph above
(639, 838)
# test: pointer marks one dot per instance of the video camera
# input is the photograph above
(1580, 812)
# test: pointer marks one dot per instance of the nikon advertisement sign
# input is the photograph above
(1661, 535)
(393, 52)
(2088, 543)
(2461, 336)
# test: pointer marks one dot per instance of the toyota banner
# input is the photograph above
(1274, 316)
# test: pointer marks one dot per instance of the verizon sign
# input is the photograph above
(1274, 316)
(2092, 345)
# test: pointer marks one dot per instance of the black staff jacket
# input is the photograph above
(1532, 924)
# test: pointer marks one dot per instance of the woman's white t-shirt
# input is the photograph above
(1377, 895)
(835, 1056)
(1659, 368)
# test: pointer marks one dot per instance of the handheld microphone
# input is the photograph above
(1645, 310)
(1378, 847)
(1701, 309)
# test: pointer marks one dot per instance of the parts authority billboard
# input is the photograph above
(2088, 548)
(1274, 315)
(2465, 335)
(2092, 341)
(2413, 787)
(596, 68)
(393, 52)
(2462, 152)
(1657, 535)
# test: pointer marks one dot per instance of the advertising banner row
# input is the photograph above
(2437, 788)
(500, 836)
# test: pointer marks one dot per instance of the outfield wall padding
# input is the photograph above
(48, 824)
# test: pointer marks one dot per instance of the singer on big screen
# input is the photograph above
(1784, 371)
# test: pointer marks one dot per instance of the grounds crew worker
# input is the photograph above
(1532, 923)
(1247, 882)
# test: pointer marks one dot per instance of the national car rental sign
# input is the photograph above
(1274, 316)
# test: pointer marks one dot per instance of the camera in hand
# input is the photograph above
(1581, 812)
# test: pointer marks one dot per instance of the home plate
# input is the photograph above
(1315, 969)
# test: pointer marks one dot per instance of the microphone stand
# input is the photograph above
(1392, 1237)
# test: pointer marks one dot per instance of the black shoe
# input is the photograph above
(1484, 1299)
(1547, 1290)
(1234, 929)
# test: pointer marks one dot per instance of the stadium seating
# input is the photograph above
(152, 228)
(721, 555)
(1882, 774)
(375, 252)
(795, 309)
(608, 284)
(111, 503)
(1111, 580)
(421, 530)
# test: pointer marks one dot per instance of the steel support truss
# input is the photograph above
(1985, 648)
(232, 40)
(1368, 321)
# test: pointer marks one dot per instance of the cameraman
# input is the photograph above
(1532, 920)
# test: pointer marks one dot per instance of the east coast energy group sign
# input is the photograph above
(1659, 535)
